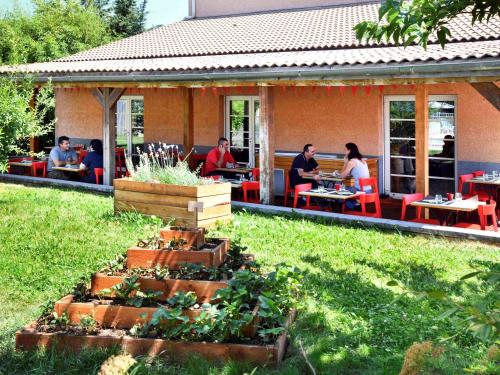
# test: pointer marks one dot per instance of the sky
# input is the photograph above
(160, 12)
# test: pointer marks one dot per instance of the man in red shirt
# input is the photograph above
(218, 157)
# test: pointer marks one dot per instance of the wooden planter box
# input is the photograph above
(194, 237)
(192, 206)
(30, 339)
(125, 317)
(146, 258)
(204, 290)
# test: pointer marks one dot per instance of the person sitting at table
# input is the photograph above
(354, 165)
(218, 157)
(92, 160)
(304, 165)
(60, 156)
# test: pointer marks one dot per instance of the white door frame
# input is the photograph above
(387, 151)
(128, 119)
(251, 125)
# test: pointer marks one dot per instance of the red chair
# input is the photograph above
(37, 166)
(83, 153)
(215, 178)
(485, 211)
(370, 181)
(464, 180)
(256, 174)
(303, 187)
(251, 186)
(409, 198)
(364, 199)
(99, 172)
(288, 188)
(120, 161)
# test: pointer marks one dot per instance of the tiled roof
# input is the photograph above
(300, 38)
(316, 29)
(466, 50)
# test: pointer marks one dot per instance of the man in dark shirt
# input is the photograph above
(304, 165)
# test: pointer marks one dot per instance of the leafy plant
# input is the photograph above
(183, 300)
(89, 324)
(154, 242)
(162, 165)
(115, 265)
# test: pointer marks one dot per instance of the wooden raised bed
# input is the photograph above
(194, 237)
(192, 206)
(125, 317)
(138, 257)
(204, 290)
(30, 339)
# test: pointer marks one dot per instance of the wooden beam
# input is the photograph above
(108, 98)
(266, 139)
(490, 91)
(422, 139)
(188, 120)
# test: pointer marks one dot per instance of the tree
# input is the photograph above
(18, 121)
(128, 18)
(57, 28)
(409, 21)
(102, 7)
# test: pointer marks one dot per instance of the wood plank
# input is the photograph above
(163, 211)
(214, 212)
(97, 93)
(207, 223)
(188, 119)
(422, 139)
(266, 142)
(490, 91)
(175, 190)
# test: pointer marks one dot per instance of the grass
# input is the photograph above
(346, 323)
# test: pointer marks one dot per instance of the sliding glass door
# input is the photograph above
(130, 124)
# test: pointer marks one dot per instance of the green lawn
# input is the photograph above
(347, 324)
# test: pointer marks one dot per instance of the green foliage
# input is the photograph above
(129, 17)
(56, 28)
(89, 324)
(406, 22)
(129, 292)
(18, 121)
(183, 300)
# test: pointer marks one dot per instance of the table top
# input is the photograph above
(467, 205)
(76, 168)
(490, 181)
(234, 183)
(235, 170)
(21, 163)
(328, 177)
(331, 194)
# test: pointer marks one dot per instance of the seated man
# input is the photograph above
(93, 160)
(60, 156)
(218, 157)
(304, 165)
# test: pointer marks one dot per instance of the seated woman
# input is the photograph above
(92, 160)
(355, 166)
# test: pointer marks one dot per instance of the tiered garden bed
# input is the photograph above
(221, 308)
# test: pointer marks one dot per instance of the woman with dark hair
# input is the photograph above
(92, 160)
(354, 165)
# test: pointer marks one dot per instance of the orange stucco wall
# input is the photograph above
(301, 116)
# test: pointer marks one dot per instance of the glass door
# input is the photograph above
(400, 145)
(130, 124)
(441, 144)
(242, 127)
(400, 162)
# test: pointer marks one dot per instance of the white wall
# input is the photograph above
(208, 8)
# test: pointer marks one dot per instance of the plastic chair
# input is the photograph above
(303, 187)
(99, 172)
(369, 182)
(256, 174)
(463, 180)
(409, 198)
(37, 166)
(364, 199)
(251, 186)
(288, 188)
(120, 161)
(484, 211)
(215, 178)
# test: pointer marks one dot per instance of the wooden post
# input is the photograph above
(188, 120)
(422, 139)
(108, 98)
(266, 138)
